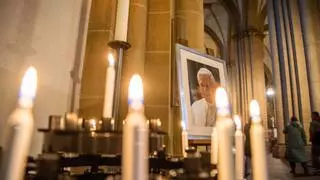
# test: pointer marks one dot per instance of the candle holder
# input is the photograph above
(108, 124)
(56, 122)
(155, 125)
(119, 46)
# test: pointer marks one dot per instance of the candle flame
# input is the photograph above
(93, 124)
(183, 125)
(135, 96)
(237, 120)
(222, 102)
(158, 122)
(29, 84)
(111, 59)
(255, 111)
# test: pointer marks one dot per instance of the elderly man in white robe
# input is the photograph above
(204, 109)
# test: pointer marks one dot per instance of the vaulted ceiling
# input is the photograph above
(222, 18)
(242, 12)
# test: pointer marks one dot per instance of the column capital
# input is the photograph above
(248, 32)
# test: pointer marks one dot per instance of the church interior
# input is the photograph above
(269, 51)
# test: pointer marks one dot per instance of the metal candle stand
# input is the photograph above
(95, 146)
(120, 47)
(57, 167)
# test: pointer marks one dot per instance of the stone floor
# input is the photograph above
(279, 170)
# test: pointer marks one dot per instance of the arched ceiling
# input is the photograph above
(220, 16)
(243, 12)
(217, 19)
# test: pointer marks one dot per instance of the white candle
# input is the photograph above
(258, 147)
(18, 132)
(109, 90)
(184, 138)
(121, 30)
(239, 149)
(225, 132)
(214, 146)
(135, 135)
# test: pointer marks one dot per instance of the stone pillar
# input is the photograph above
(189, 22)
(290, 58)
(310, 18)
(157, 67)
(134, 58)
(290, 72)
(234, 78)
(281, 107)
(100, 32)
(300, 64)
(250, 63)
(188, 30)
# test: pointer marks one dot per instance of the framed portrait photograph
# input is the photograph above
(199, 75)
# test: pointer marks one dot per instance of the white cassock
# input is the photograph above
(203, 113)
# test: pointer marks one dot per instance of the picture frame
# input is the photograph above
(197, 102)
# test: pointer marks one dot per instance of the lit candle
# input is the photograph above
(225, 132)
(159, 123)
(92, 124)
(214, 146)
(18, 132)
(109, 90)
(184, 138)
(239, 149)
(258, 147)
(135, 135)
(112, 124)
(121, 30)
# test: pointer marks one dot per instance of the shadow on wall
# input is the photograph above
(15, 49)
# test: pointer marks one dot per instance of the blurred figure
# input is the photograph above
(204, 109)
(296, 142)
(315, 139)
(247, 148)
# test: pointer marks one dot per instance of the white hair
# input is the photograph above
(205, 71)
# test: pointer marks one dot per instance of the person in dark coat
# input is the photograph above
(314, 131)
(296, 142)
(247, 148)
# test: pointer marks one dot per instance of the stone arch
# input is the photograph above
(215, 38)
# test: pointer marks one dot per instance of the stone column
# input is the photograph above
(280, 108)
(234, 78)
(100, 32)
(310, 18)
(157, 67)
(134, 58)
(188, 30)
(290, 58)
(250, 63)
(290, 72)
(300, 64)
(189, 22)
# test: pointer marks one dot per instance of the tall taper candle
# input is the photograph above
(225, 133)
(135, 135)
(18, 131)
(184, 138)
(258, 147)
(122, 17)
(214, 146)
(109, 90)
(239, 149)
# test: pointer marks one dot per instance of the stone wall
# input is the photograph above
(44, 34)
